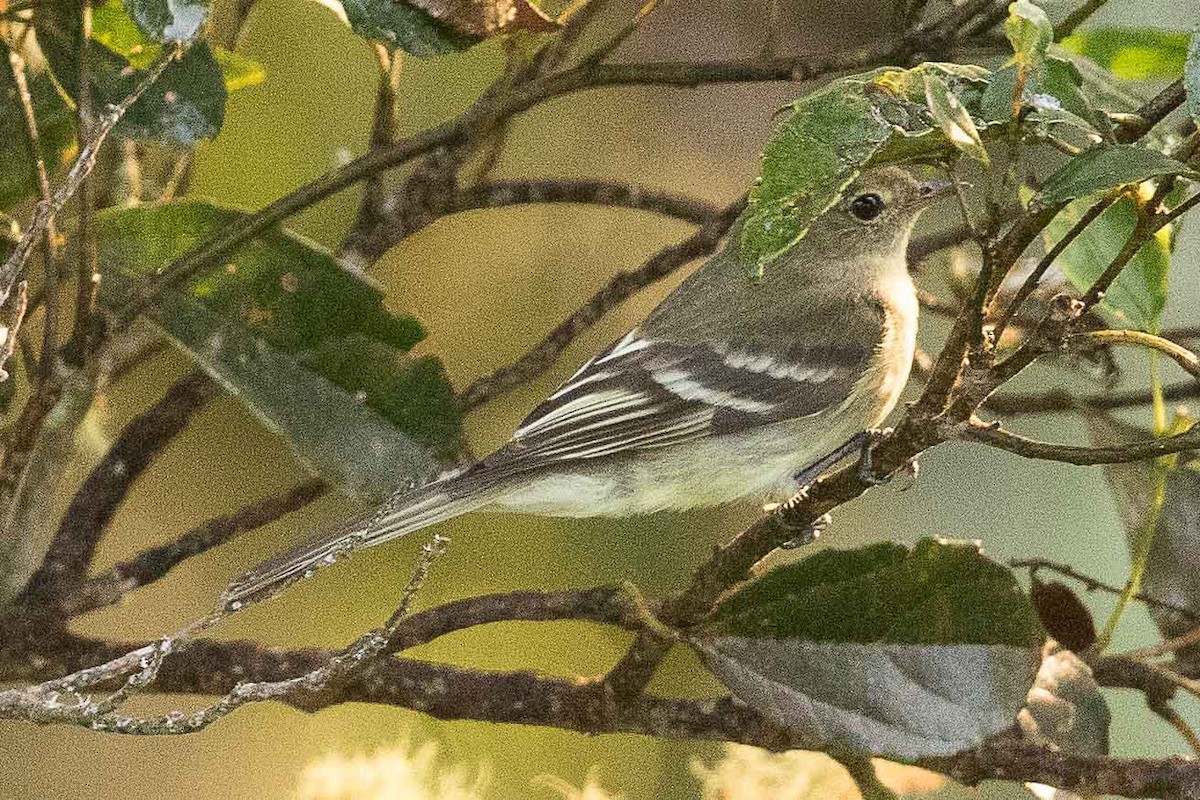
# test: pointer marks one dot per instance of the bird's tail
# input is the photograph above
(402, 514)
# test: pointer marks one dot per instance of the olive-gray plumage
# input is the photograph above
(728, 388)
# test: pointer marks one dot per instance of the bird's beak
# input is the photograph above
(932, 190)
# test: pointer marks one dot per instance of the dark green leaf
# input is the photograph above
(937, 593)
(1191, 76)
(113, 28)
(56, 130)
(413, 394)
(837, 646)
(169, 20)
(297, 300)
(337, 436)
(1105, 167)
(1132, 53)
(1136, 298)
(400, 25)
(186, 104)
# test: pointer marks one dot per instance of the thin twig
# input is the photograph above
(1092, 584)
(1180, 355)
(46, 211)
(681, 75)
(1034, 278)
(1076, 18)
(353, 659)
(994, 436)
(1152, 112)
(50, 249)
(617, 290)
(153, 563)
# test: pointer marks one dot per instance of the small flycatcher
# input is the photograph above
(730, 388)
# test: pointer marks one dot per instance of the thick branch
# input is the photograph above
(449, 692)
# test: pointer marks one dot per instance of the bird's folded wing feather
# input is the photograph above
(644, 393)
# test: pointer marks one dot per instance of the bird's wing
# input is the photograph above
(645, 393)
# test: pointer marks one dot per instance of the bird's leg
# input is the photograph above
(861, 443)
(866, 467)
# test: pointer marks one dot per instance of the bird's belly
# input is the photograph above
(760, 464)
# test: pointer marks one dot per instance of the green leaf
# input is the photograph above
(185, 105)
(237, 70)
(1132, 54)
(837, 646)
(939, 592)
(881, 116)
(1137, 296)
(954, 120)
(169, 20)
(401, 25)
(295, 299)
(56, 131)
(1191, 77)
(1106, 167)
(1029, 32)
(187, 102)
(339, 438)
(114, 29)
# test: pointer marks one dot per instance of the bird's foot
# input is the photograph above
(809, 533)
(805, 534)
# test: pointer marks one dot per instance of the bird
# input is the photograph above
(733, 386)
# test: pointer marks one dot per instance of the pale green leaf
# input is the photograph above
(1132, 54)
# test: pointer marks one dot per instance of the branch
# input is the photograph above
(153, 563)
(995, 436)
(586, 76)
(1092, 584)
(70, 554)
(623, 285)
(1058, 400)
(1180, 355)
(1152, 112)
(450, 692)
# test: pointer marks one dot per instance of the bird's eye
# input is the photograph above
(867, 206)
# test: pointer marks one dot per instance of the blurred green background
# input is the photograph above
(488, 285)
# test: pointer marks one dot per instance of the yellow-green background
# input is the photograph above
(488, 285)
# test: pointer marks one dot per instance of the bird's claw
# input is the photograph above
(809, 533)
